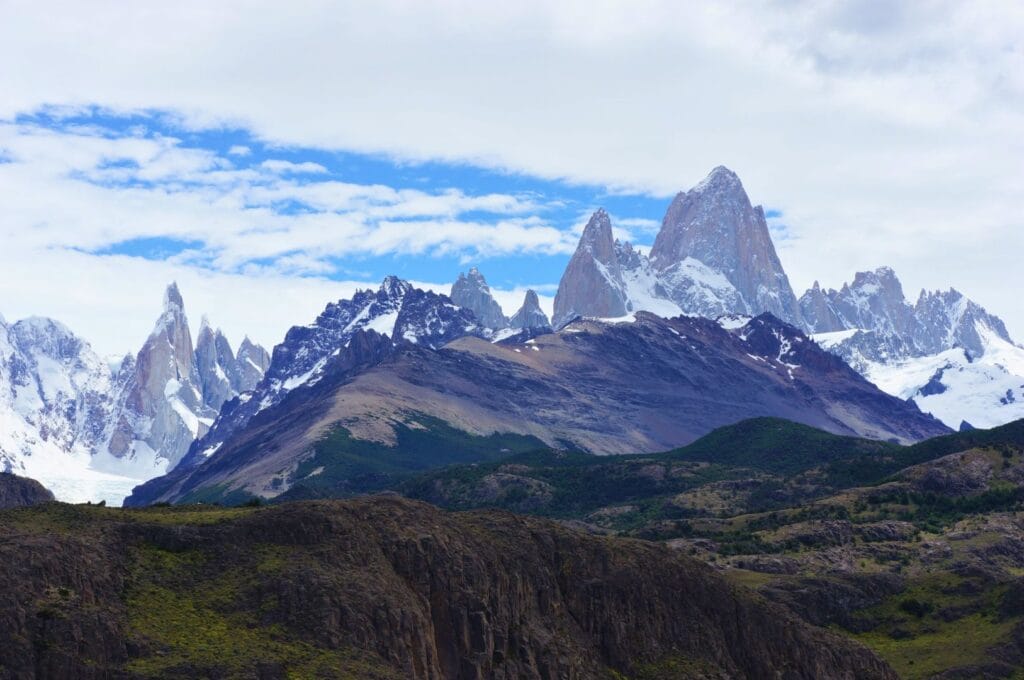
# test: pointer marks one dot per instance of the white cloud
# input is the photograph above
(886, 132)
(112, 190)
(239, 150)
(287, 167)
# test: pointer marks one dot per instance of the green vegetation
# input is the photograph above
(344, 466)
(189, 616)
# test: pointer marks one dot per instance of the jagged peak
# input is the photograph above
(531, 300)
(204, 325)
(719, 178)
(598, 229)
(394, 287)
(172, 298)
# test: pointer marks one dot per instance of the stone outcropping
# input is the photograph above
(18, 492)
(171, 392)
(472, 292)
(383, 588)
(530, 316)
(592, 285)
(713, 256)
(715, 224)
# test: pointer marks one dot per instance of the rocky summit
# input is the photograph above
(72, 420)
(379, 588)
(712, 256)
(530, 316)
(946, 352)
(594, 386)
(472, 292)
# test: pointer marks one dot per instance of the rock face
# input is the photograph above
(530, 316)
(639, 387)
(383, 588)
(592, 284)
(162, 409)
(715, 224)
(396, 310)
(713, 256)
(18, 492)
(946, 352)
(66, 415)
(171, 393)
(472, 292)
(252, 361)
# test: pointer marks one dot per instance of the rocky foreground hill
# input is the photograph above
(16, 492)
(378, 588)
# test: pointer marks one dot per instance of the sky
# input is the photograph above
(272, 157)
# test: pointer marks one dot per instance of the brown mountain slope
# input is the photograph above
(605, 388)
(378, 587)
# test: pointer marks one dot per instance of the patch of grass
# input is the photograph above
(942, 647)
(186, 617)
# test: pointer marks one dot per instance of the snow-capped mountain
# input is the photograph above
(715, 225)
(946, 352)
(55, 394)
(88, 431)
(599, 386)
(713, 256)
(396, 309)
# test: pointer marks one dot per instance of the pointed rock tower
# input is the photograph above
(592, 284)
(161, 409)
(530, 316)
(715, 223)
(472, 292)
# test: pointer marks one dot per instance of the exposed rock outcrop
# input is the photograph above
(715, 224)
(382, 588)
(17, 492)
(472, 292)
(592, 284)
(530, 316)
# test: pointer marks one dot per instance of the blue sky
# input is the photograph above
(558, 204)
(420, 138)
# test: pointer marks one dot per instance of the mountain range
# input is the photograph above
(90, 430)
(644, 351)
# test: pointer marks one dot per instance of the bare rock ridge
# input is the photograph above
(592, 284)
(472, 292)
(18, 492)
(715, 224)
(172, 392)
(382, 588)
(396, 310)
(530, 316)
(68, 412)
(713, 256)
(945, 351)
(646, 386)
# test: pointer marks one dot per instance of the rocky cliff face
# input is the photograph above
(395, 309)
(162, 410)
(472, 292)
(530, 316)
(252, 361)
(713, 256)
(19, 492)
(635, 387)
(380, 588)
(715, 224)
(946, 352)
(592, 284)
(70, 420)
(172, 392)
